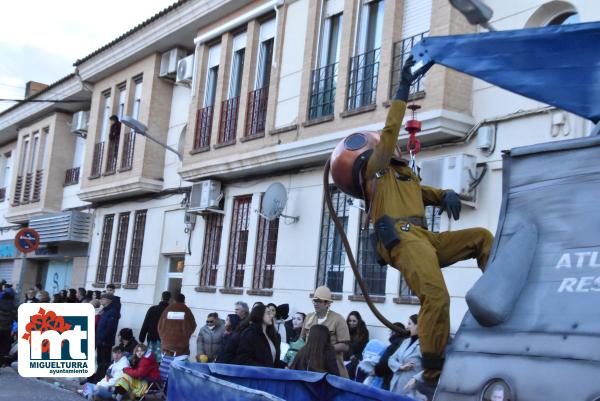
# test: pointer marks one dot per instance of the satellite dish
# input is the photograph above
(274, 201)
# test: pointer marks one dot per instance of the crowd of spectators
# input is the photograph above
(264, 335)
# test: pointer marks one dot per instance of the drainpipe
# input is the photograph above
(228, 26)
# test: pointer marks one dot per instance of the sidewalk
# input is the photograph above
(17, 388)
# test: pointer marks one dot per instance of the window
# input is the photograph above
(204, 116)
(373, 274)
(30, 168)
(212, 246)
(119, 257)
(129, 139)
(137, 244)
(324, 77)
(330, 270)
(137, 97)
(5, 170)
(230, 107)
(21, 171)
(364, 67)
(106, 236)
(256, 111)
(416, 19)
(266, 250)
(433, 224)
(122, 100)
(105, 113)
(238, 241)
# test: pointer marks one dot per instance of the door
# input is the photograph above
(175, 274)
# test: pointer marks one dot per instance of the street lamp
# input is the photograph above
(475, 11)
(141, 129)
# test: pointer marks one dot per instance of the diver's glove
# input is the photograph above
(407, 78)
(451, 205)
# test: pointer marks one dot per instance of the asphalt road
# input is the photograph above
(16, 388)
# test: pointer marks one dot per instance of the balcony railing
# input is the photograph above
(204, 119)
(322, 91)
(256, 112)
(401, 51)
(97, 159)
(18, 190)
(228, 120)
(128, 148)
(27, 188)
(2, 194)
(113, 151)
(37, 186)
(72, 176)
(363, 72)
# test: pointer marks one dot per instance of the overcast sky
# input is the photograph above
(40, 39)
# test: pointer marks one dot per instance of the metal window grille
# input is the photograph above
(72, 176)
(119, 257)
(97, 159)
(322, 91)
(401, 52)
(128, 148)
(373, 274)
(113, 151)
(137, 244)
(433, 225)
(204, 119)
(37, 186)
(330, 270)
(212, 246)
(256, 112)
(363, 73)
(18, 190)
(107, 228)
(228, 120)
(238, 241)
(266, 250)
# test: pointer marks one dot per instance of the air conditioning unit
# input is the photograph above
(454, 172)
(79, 124)
(185, 70)
(205, 195)
(168, 62)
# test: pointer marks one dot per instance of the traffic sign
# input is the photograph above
(27, 240)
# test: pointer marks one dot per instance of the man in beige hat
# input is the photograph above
(338, 328)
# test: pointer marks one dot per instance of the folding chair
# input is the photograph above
(156, 389)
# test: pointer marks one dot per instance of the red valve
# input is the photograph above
(413, 126)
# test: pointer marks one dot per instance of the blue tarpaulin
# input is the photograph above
(557, 65)
(219, 382)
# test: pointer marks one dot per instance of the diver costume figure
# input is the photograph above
(366, 165)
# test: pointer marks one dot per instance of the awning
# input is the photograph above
(557, 65)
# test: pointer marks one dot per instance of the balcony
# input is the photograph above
(256, 112)
(97, 160)
(112, 155)
(228, 121)
(72, 176)
(322, 91)
(204, 119)
(401, 52)
(363, 72)
(128, 148)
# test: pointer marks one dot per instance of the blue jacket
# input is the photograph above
(107, 326)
